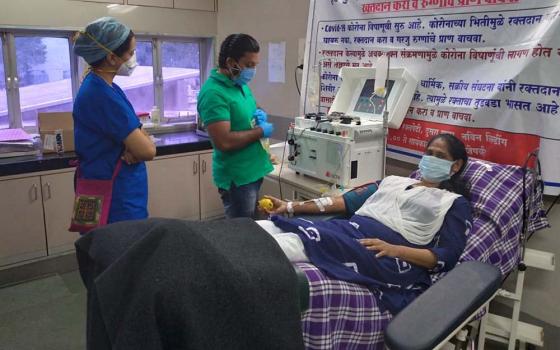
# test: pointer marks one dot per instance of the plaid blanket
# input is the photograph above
(346, 316)
(497, 199)
(341, 315)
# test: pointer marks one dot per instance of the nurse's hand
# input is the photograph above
(268, 129)
(128, 158)
(279, 206)
(260, 116)
(381, 247)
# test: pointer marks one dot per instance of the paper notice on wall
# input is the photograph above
(277, 62)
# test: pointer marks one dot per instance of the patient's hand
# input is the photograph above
(279, 206)
(383, 248)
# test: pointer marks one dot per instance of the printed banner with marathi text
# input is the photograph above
(488, 71)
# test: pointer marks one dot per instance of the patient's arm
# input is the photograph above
(308, 207)
(417, 256)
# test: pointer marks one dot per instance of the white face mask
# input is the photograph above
(128, 67)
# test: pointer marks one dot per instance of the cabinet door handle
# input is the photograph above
(33, 194)
(48, 194)
(204, 166)
(195, 168)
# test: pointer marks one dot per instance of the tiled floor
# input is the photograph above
(44, 314)
(50, 314)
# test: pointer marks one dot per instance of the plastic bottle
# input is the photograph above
(154, 115)
(266, 144)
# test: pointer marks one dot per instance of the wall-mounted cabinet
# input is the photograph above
(203, 5)
(153, 3)
(118, 2)
(197, 5)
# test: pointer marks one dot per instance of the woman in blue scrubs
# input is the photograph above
(106, 128)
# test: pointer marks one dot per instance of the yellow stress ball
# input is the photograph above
(266, 204)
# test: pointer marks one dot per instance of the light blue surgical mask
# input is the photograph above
(245, 76)
(434, 169)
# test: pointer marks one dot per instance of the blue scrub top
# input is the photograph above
(103, 118)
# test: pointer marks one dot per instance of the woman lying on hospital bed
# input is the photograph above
(399, 230)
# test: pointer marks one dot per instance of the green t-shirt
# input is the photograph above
(220, 99)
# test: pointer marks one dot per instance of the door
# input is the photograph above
(173, 189)
(22, 236)
(58, 199)
(210, 201)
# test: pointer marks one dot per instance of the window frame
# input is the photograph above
(59, 34)
(8, 35)
(4, 41)
(201, 68)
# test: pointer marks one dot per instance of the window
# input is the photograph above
(139, 87)
(4, 117)
(39, 73)
(181, 80)
(43, 70)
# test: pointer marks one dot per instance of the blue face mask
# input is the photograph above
(245, 76)
(434, 169)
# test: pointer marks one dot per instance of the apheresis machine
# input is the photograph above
(347, 146)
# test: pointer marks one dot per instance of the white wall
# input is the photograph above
(268, 21)
(71, 14)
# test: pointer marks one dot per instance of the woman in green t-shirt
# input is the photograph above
(235, 125)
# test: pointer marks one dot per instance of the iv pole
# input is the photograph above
(320, 71)
(385, 113)
(385, 123)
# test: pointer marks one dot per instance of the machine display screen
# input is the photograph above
(372, 105)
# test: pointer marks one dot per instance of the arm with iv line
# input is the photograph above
(347, 203)
(325, 205)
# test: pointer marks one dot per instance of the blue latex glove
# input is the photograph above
(260, 116)
(268, 129)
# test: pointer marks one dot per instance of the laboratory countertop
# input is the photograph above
(167, 144)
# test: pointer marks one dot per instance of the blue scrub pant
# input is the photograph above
(241, 201)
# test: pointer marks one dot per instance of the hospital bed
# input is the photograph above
(335, 314)
(507, 205)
